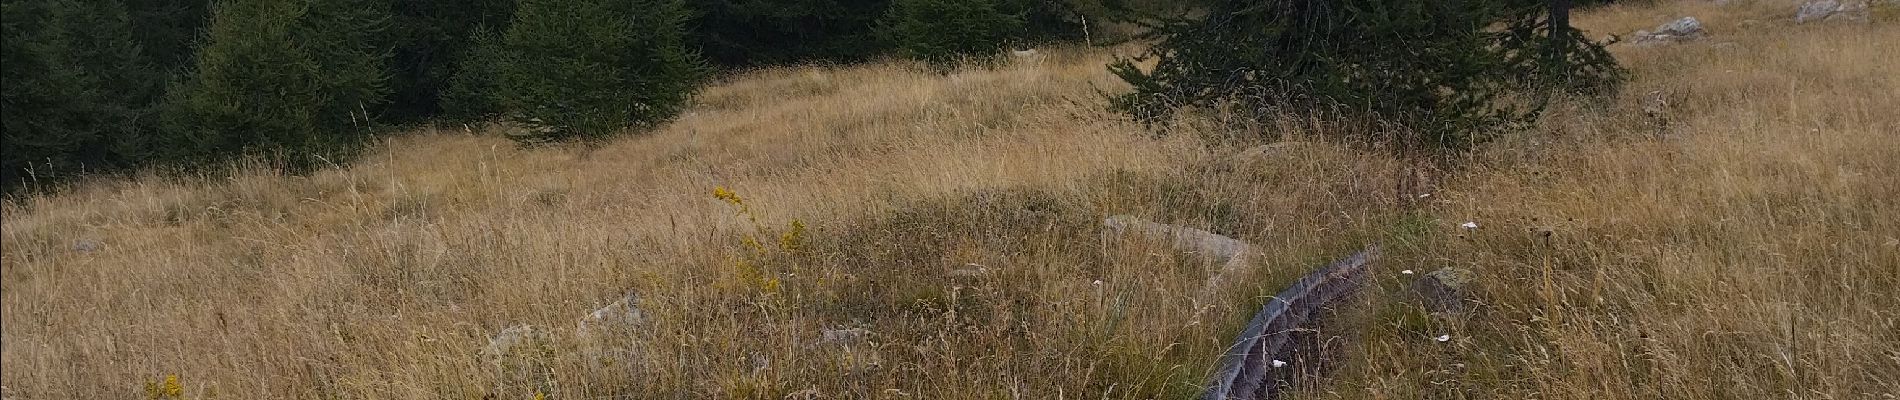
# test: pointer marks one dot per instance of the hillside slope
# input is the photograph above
(882, 231)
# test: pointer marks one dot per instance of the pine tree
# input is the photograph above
(168, 30)
(940, 31)
(76, 88)
(1447, 74)
(741, 33)
(586, 69)
(286, 78)
(430, 39)
(473, 93)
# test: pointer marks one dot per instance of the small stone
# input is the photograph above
(613, 335)
(510, 342)
(1445, 291)
(621, 315)
(842, 337)
(969, 273)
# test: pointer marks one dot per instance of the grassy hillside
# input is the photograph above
(1744, 244)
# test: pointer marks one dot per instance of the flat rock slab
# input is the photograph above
(1680, 30)
(1208, 244)
(1832, 10)
(1234, 256)
(1445, 291)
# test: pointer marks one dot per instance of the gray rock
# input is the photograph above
(1445, 291)
(518, 357)
(529, 130)
(512, 341)
(86, 245)
(842, 337)
(1832, 10)
(615, 318)
(972, 272)
(1233, 256)
(613, 335)
(850, 348)
(1681, 30)
(1214, 246)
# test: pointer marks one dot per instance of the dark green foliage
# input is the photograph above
(1440, 72)
(430, 40)
(167, 30)
(76, 87)
(742, 33)
(1560, 59)
(104, 85)
(471, 94)
(1046, 20)
(941, 31)
(586, 69)
(286, 78)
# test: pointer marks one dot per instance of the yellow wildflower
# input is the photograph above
(793, 238)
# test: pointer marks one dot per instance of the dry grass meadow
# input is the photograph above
(1745, 247)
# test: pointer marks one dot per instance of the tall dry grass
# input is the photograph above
(1745, 250)
(385, 278)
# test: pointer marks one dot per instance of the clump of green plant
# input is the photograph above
(1439, 74)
